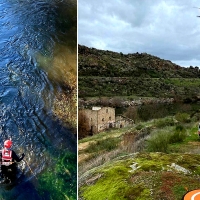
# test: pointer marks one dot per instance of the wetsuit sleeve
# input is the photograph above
(15, 157)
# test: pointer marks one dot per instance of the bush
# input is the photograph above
(178, 135)
(132, 113)
(183, 117)
(195, 117)
(139, 127)
(158, 143)
(107, 145)
(164, 122)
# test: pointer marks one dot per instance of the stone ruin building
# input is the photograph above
(98, 119)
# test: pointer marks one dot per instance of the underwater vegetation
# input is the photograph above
(60, 182)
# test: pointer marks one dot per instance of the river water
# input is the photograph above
(37, 42)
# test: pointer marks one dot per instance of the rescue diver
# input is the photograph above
(8, 161)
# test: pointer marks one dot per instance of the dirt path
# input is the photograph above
(83, 146)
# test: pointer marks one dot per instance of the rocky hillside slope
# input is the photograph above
(138, 74)
(94, 62)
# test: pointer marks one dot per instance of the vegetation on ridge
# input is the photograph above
(94, 62)
(144, 75)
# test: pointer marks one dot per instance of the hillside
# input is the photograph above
(94, 62)
(137, 74)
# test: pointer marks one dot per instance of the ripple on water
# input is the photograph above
(27, 88)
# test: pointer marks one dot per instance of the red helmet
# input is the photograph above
(8, 143)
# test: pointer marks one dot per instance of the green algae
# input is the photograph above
(60, 181)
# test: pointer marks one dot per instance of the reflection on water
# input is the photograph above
(38, 67)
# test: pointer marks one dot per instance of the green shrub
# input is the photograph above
(139, 127)
(195, 117)
(164, 122)
(178, 135)
(107, 145)
(183, 117)
(158, 143)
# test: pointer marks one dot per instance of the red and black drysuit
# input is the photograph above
(8, 164)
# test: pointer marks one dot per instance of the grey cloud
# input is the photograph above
(168, 29)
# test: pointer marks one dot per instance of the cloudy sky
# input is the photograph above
(168, 29)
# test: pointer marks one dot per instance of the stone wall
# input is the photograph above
(122, 121)
(99, 119)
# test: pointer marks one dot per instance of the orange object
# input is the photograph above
(192, 195)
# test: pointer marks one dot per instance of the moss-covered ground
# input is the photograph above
(144, 175)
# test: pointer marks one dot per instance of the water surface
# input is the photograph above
(37, 61)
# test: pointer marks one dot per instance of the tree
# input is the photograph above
(116, 102)
(82, 125)
(132, 113)
(104, 101)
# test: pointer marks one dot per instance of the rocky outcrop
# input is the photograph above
(123, 103)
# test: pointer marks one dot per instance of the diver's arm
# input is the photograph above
(15, 156)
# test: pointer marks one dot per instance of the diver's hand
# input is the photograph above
(23, 155)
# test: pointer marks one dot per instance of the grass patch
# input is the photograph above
(101, 135)
(183, 82)
(103, 145)
(139, 127)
